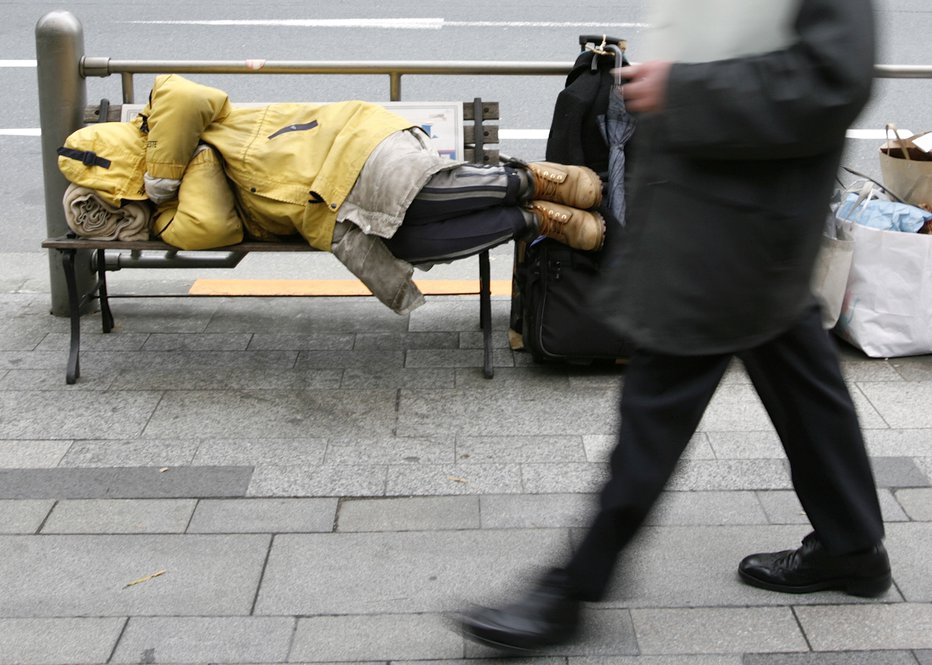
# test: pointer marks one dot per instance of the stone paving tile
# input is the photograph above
(33, 360)
(717, 630)
(898, 472)
(547, 410)
(92, 378)
(205, 639)
(917, 503)
(902, 405)
(77, 641)
(131, 452)
(659, 568)
(913, 368)
(716, 659)
(305, 342)
(420, 479)
(536, 511)
(518, 449)
(377, 573)
(711, 508)
(111, 516)
(32, 454)
(391, 450)
(457, 358)
(458, 314)
(376, 359)
(259, 451)
(475, 339)
(70, 415)
(924, 657)
(60, 576)
(525, 378)
(93, 341)
(563, 478)
(409, 514)
(783, 507)
(124, 483)
(375, 637)
(366, 341)
(270, 378)
(603, 633)
(197, 342)
(898, 442)
(832, 658)
(302, 316)
(295, 414)
(318, 481)
(730, 474)
(365, 378)
(263, 516)
(19, 516)
(599, 447)
(909, 544)
(746, 445)
(736, 407)
(166, 315)
(866, 627)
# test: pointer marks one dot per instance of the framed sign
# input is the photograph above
(441, 121)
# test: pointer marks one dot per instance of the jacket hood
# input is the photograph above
(108, 157)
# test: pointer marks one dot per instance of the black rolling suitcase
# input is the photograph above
(553, 315)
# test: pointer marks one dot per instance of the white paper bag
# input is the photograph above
(887, 310)
(830, 276)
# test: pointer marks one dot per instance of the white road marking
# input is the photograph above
(17, 63)
(390, 23)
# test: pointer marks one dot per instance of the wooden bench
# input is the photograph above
(478, 144)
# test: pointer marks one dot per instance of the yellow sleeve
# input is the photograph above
(204, 215)
(177, 114)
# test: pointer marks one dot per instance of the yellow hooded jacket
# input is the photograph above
(290, 166)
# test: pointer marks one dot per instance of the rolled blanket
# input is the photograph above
(89, 216)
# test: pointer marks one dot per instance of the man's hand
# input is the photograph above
(646, 89)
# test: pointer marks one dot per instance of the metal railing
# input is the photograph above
(63, 69)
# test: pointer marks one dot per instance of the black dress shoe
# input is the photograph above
(811, 568)
(547, 615)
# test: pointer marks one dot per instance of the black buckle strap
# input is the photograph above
(86, 157)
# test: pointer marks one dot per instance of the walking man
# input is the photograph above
(743, 110)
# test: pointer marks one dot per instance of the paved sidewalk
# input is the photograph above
(318, 481)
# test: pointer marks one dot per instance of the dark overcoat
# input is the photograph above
(731, 190)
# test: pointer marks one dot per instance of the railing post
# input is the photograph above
(62, 98)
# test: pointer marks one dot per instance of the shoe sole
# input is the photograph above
(867, 587)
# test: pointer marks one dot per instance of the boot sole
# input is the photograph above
(867, 587)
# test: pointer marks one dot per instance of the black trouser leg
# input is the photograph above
(800, 383)
(461, 212)
(662, 402)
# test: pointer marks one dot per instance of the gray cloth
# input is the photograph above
(374, 209)
(390, 179)
(367, 257)
(89, 216)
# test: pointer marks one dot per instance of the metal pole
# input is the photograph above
(62, 98)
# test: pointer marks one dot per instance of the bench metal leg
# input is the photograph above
(485, 313)
(73, 370)
(106, 317)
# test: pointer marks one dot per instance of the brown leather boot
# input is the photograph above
(580, 229)
(575, 186)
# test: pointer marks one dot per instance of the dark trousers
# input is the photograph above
(799, 381)
(461, 212)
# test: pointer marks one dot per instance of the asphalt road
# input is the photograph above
(354, 30)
